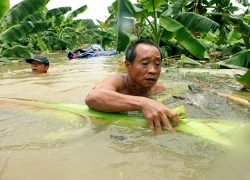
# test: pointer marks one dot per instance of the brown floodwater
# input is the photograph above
(39, 147)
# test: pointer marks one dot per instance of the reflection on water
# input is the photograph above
(34, 146)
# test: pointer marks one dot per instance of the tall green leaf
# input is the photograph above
(134, 10)
(4, 7)
(22, 10)
(38, 16)
(151, 5)
(41, 26)
(196, 23)
(57, 11)
(173, 8)
(123, 41)
(241, 59)
(123, 25)
(42, 45)
(234, 37)
(105, 34)
(183, 36)
(18, 51)
(245, 79)
(77, 12)
(16, 32)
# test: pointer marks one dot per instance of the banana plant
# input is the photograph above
(234, 31)
(107, 38)
(166, 17)
(30, 23)
(20, 11)
(14, 27)
(4, 7)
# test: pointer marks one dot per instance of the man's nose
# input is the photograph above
(152, 68)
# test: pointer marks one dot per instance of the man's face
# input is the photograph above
(38, 67)
(146, 67)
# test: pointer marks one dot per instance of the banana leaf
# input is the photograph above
(4, 7)
(187, 60)
(134, 10)
(196, 23)
(38, 16)
(245, 80)
(244, 29)
(18, 51)
(77, 11)
(57, 11)
(234, 37)
(16, 32)
(173, 8)
(42, 45)
(123, 25)
(216, 131)
(22, 10)
(104, 34)
(40, 26)
(241, 59)
(183, 36)
(150, 5)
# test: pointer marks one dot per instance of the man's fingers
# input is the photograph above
(167, 124)
(176, 120)
(151, 125)
(157, 126)
(174, 116)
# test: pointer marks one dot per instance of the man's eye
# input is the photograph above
(144, 63)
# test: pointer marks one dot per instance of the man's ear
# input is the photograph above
(127, 64)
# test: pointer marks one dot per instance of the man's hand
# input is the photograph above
(156, 112)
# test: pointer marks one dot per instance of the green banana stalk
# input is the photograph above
(216, 131)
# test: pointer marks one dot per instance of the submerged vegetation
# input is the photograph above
(190, 30)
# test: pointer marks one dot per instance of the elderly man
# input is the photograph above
(39, 64)
(130, 92)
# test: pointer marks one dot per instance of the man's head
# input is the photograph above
(39, 64)
(131, 53)
(143, 63)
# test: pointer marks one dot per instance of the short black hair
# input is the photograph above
(130, 52)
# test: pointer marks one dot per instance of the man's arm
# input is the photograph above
(106, 97)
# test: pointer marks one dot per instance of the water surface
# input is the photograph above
(41, 147)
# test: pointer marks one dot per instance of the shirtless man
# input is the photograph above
(39, 64)
(130, 92)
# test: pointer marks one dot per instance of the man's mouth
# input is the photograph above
(150, 79)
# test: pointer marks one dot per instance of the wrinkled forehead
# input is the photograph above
(147, 51)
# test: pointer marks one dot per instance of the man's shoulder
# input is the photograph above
(158, 87)
(116, 77)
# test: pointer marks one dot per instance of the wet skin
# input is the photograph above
(144, 72)
(38, 67)
(118, 93)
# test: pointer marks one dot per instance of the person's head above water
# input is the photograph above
(39, 64)
(131, 52)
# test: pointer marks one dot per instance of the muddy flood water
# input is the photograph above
(36, 147)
